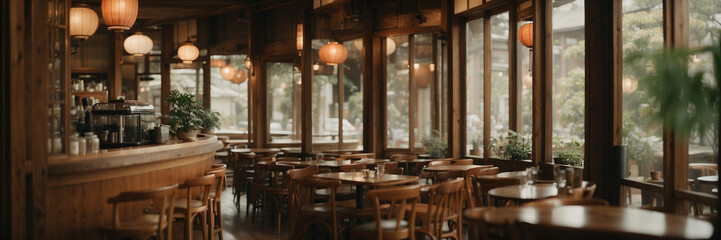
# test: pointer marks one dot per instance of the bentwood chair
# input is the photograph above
(223, 166)
(482, 184)
(188, 208)
(394, 211)
(429, 176)
(462, 162)
(147, 225)
(214, 197)
(441, 217)
(481, 171)
(261, 181)
(328, 214)
(275, 196)
(295, 175)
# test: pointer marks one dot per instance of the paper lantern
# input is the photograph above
(217, 63)
(119, 15)
(333, 53)
(422, 74)
(248, 63)
(228, 72)
(525, 34)
(240, 77)
(188, 52)
(299, 39)
(316, 67)
(138, 44)
(630, 84)
(83, 21)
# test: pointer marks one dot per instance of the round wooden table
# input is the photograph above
(608, 220)
(264, 151)
(524, 193)
(516, 174)
(449, 168)
(359, 180)
(708, 180)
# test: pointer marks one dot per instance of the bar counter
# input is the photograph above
(79, 186)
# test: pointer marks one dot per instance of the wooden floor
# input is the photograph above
(238, 225)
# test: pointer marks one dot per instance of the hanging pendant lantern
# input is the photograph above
(119, 15)
(333, 53)
(217, 63)
(299, 39)
(83, 21)
(525, 34)
(240, 77)
(228, 72)
(630, 84)
(138, 44)
(188, 52)
(390, 46)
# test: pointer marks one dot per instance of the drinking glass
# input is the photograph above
(532, 175)
(561, 179)
(381, 168)
(524, 179)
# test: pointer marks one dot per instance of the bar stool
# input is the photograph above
(146, 225)
(188, 208)
(214, 211)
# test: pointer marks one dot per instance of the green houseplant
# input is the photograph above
(211, 121)
(570, 154)
(476, 142)
(515, 147)
(435, 144)
(185, 115)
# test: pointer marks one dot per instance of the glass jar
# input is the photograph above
(96, 144)
(74, 145)
(89, 142)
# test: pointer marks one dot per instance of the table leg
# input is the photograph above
(359, 196)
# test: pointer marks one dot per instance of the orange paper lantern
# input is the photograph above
(333, 53)
(228, 72)
(240, 77)
(119, 15)
(525, 34)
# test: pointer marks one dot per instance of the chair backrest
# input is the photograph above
(478, 171)
(302, 172)
(393, 202)
(467, 161)
(488, 171)
(303, 192)
(397, 171)
(280, 175)
(203, 183)
(404, 157)
(391, 165)
(219, 174)
(482, 184)
(439, 162)
(166, 193)
(449, 175)
(262, 173)
(566, 201)
(444, 205)
(219, 165)
(589, 190)
(351, 167)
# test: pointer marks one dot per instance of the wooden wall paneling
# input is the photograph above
(675, 144)
(115, 79)
(37, 115)
(460, 6)
(542, 82)
(15, 116)
(5, 155)
(599, 114)
(167, 48)
(455, 48)
(515, 109)
(486, 83)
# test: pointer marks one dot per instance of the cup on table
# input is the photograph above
(560, 179)
(381, 168)
(532, 173)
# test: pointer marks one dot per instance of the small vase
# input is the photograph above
(191, 136)
(476, 152)
(656, 175)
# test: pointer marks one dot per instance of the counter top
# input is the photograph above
(130, 156)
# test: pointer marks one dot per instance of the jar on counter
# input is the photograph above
(89, 142)
(96, 143)
(74, 145)
(82, 148)
(57, 143)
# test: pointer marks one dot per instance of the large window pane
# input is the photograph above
(474, 84)
(283, 101)
(423, 82)
(187, 78)
(325, 103)
(229, 97)
(568, 75)
(398, 93)
(704, 26)
(642, 33)
(352, 72)
(149, 91)
(499, 75)
(525, 83)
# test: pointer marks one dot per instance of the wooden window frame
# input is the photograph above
(261, 68)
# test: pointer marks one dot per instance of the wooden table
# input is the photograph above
(450, 168)
(516, 174)
(708, 179)
(326, 164)
(360, 181)
(256, 150)
(524, 193)
(606, 219)
(412, 166)
(371, 161)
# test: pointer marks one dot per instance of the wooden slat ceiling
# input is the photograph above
(156, 12)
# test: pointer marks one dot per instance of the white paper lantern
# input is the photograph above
(119, 15)
(228, 72)
(138, 44)
(83, 21)
(188, 52)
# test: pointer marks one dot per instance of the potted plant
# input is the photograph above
(435, 145)
(185, 115)
(476, 142)
(515, 147)
(570, 155)
(211, 121)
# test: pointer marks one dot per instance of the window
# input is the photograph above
(642, 24)
(187, 78)
(474, 84)
(229, 97)
(413, 89)
(499, 77)
(283, 102)
(525, 83)
(337, 104)
(568, 75)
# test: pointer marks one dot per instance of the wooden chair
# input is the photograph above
(215, 198)
(589, 190)
(146, 225)
(403, 160)
(243, 166)
(476, 225)
(391, 165)
(261, 181)
(481, 171)
(223, 166)
(275, 196)
(462, 162)
(444, 207)
(188, 208)
(447, 176)
(488, 171)
(351, 167)
(429, 176)
(566, 201)
(393, 217)
(308, 212)
(482, 184)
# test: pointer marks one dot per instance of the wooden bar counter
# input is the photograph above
(79, 186)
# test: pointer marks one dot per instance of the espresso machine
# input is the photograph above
(123, 123)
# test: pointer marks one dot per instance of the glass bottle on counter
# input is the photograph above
(74, 145)
(89, 142)
(82, 147)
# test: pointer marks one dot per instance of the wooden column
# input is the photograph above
(542, 81)
(371, 103)
(260, 130)
(166, 45)
(307, 84)
(602, 112)
(486, 83)
(206, 83)
(515, 109)
(115, 80)
(675, 144)
(456, 78)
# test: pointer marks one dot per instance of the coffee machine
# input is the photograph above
(123, 123)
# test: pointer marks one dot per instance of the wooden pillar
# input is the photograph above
(371, 102)
(456, 78)
(307, 83)
(260, 131)
(166, 45)
(206, 83)
(115, 80)
(542, 82)
(486, 83)
(515, 109)
(602, 112)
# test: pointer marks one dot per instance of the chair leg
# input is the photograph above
(211, 217)
(220, 220)
(204, 223)
(188, 227)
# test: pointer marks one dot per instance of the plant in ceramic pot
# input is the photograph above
(476, 142)
(570, 154)
(211, 121)
(515, 147)
(435, 145)
(185, 115)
